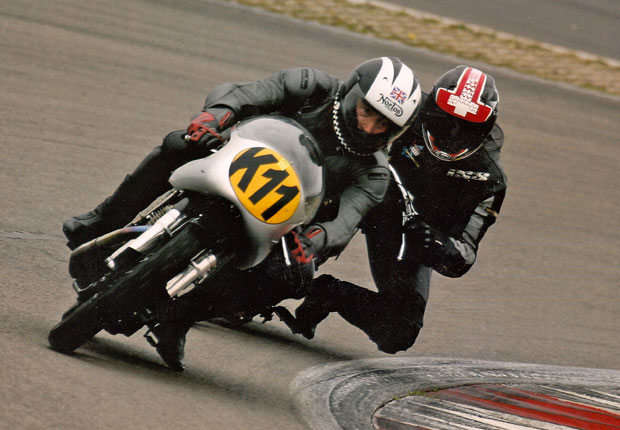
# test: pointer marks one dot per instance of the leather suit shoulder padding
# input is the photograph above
(495, 139)
(308, 84)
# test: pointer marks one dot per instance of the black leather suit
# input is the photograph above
(354, 184)
(461, 198)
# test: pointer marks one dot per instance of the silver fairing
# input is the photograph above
(270, 171)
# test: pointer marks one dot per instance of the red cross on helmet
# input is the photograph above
(459, 113)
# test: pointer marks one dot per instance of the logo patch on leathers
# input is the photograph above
(377, 176)
(468, 174)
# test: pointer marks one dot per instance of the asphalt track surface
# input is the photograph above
(87, 90)
(585, 25)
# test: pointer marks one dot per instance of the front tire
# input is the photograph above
(80, 324)
(83, 322)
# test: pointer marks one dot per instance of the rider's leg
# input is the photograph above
(391, 318)
(148, 181)
(171, 336)
(250, 292)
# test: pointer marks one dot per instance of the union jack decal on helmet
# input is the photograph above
(465, 100)
(399, 95)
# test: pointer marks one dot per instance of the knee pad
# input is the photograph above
(401, 339)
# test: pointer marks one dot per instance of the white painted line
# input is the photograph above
(475, 418)
(614, 405)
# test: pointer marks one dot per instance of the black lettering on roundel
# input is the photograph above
(288, 194)
(251, 163)
(276, 177)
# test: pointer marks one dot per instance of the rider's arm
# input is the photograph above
(286, 91)
(369, 184)
(458, 253)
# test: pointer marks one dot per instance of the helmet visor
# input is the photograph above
(450, 138)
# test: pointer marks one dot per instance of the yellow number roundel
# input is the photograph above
(265, 184)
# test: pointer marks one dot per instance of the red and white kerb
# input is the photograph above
(464, 100)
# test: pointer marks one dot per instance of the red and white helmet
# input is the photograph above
(459, 113)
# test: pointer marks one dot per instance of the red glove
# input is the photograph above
(205, 127)
(305, 245)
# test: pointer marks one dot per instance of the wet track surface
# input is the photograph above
(88, 90)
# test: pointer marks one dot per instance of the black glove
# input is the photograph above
(205, 127)
(426, 242)
(304, 246)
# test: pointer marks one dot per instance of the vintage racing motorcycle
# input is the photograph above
(265, 181)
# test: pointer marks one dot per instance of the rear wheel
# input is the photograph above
(83, 322)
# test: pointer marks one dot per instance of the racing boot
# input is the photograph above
(90, 225)
(171, 343)
(323, 298)
(147, 182)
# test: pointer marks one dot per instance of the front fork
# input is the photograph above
(196, 272)
(162, 228)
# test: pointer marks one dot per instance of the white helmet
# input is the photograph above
(388, 86)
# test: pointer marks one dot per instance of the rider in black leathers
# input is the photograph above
(457, 187)
(353, 121)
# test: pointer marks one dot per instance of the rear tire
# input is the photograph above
(82, 323)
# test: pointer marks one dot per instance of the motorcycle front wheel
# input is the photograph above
(82, 323)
